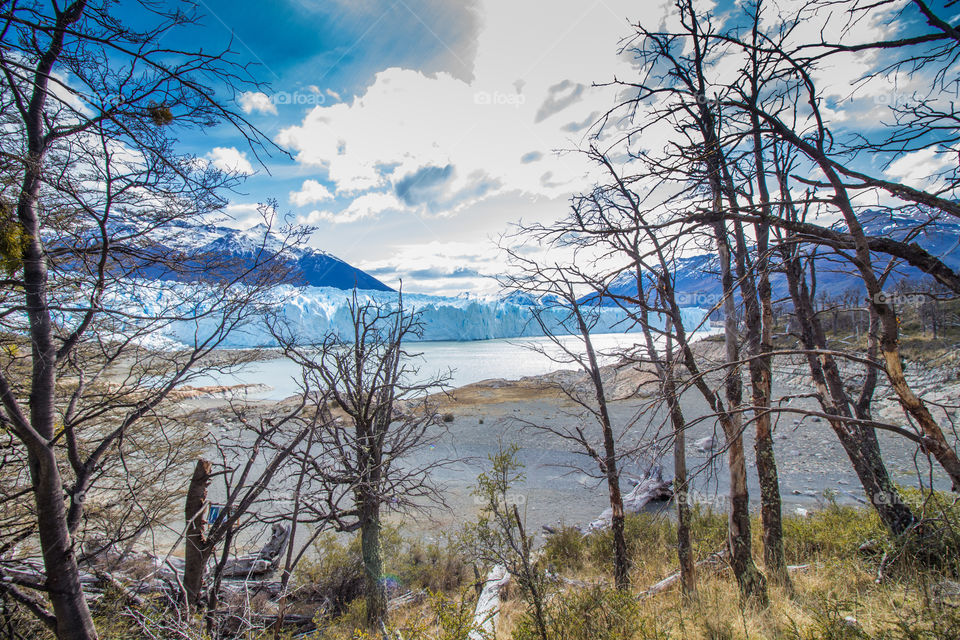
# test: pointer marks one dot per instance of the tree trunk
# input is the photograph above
(688, 577)
(681, 486)
(372, 555)
(753, 585)
(759, 317)
(540, 618)
(621, 561)
(859, 443)
(197, 550)
(74, 621)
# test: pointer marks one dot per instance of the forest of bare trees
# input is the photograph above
(751, 170)
(725, 141)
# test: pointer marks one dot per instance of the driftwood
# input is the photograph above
(651, 488)
(488, 604)
(410, 597)
(262, 563)
(714, 560)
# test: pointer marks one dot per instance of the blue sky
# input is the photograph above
(420, 129)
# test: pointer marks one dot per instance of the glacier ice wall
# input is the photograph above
(312, 312)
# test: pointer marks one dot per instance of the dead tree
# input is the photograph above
(555, 295)
(250, 467)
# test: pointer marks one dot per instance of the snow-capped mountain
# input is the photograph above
(698, 277)
(239, 248)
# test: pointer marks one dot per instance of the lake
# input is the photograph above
(466, 362)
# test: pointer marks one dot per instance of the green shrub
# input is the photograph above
(454, 616)
(335, 571)
(565, 550)
(831, 623)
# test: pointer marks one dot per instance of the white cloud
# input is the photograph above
(531, 91)
(243, 214)
(311, 192)
(920, 168)
(369, 205)
(441, 267)
(230, 160)
(258, 101)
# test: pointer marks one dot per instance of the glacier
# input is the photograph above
(312, 313)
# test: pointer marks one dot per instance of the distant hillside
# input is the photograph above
(698, 277)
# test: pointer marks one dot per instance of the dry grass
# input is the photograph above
(835, 597)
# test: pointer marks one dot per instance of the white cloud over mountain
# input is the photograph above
(447, 145)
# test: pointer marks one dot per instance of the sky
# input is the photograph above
(420, 130)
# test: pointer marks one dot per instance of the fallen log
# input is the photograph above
(651, 488)
(713, 560)
(411, 597)
(261, 563)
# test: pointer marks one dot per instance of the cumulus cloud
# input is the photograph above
(921, 169)
(230, 160)
(441, 267)
(258, 101)
(443, 141)
(311, 192)
(369, 205)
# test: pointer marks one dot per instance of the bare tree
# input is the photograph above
(91, 111)
(559, 313)
(371, 457)
(249, 466)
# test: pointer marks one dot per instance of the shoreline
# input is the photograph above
(494, 411)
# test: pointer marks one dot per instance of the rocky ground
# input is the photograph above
(563, 485)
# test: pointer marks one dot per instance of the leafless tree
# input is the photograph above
(372, 455)
(94, 198)
(559, 312)
(252, 465)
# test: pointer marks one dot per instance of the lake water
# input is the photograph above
(466, 362)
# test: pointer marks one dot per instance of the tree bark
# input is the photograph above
(197, 549)
(621, 560)
(752, 582)
(761, 376)
(74, 621)
(372, 555)
(859, 443)
(688, 576)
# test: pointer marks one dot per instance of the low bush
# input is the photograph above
(590, 614)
